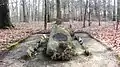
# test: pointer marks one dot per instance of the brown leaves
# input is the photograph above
(21, 30)
(106, 33)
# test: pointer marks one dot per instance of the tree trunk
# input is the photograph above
(99, 18)
(81, 13)
(4, 15)
(64, 7)
(45, 17)
(89, 24)
(118, 14)
(81, 10)
(85, 13)
(104, 11)
(58, 20)
(24, 12)
(109, 12)
(38, 19)
(114, 11)
(17, 11)
(48, 11)
(95, 8)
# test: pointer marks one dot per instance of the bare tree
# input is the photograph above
(114, 11)
(31, 10)
(104, 9)
(109, 10)
(89, 14)
(4, 14)
(24, 12)
(81, 10)
(97, 8)
(118, 14)
(48, 11)
(58, 20)
(45, 17)
(85, 13)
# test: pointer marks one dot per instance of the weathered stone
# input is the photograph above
(60, 45)
(32, 49)
(60, 37)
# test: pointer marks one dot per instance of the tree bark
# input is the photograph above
(99, 18)
(4, 15)
(24, 12)
(85, 13)
(114, 11)
(118, 14)
(81, 13)
(48, 11)
(89, 24)
(104, 11)
(45, 17)
(58, 20)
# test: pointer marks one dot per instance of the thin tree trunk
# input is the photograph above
(118, 14)
(114, 11)
(81, 18)
(17, 10)
(81, 11)
(58, 21)
(76, 14)
(24, 12)
(89, 14)
(20, 13)
(38, 10)
(69, 10)
(99, 18)
(45, 17)
(85, 13)
(64, 12)
(48, 11)
(29, 10)
(89, 20)
(104, 12)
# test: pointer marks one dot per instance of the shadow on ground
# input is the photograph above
(101, 56)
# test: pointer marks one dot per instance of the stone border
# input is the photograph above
(105, 45)
(48, 32)
(13, 45)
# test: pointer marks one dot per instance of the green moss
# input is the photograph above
(65, 52)
(118, 57)
(12, 46)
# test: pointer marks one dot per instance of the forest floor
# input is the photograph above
(106, 33)
(99, 56)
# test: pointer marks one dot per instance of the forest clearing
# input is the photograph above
(59, 33)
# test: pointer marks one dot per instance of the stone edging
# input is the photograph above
(13, 45)
(109, 48)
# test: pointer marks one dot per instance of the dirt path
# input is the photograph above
(101, 57)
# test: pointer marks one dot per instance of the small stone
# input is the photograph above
(87, 53)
